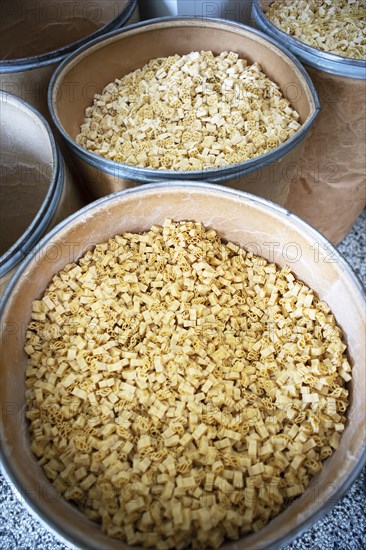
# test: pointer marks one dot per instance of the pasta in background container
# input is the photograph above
(329, 186)
(267, 175)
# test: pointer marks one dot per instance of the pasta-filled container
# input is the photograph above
(36, 188)
(36, 35)
(329, 186)
(185, 98)
(132, 393)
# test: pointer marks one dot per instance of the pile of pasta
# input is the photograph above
(335, 26)
(180, 390)
(193, 112)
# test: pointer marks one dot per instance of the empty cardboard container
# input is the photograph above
(36, 189)
(96, 65)
(329, 185)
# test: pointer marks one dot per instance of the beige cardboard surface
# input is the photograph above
(26, 160)
(329, 188)
(27, 168)
(34, 27)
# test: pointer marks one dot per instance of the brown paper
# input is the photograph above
(275, 235)
(329, 189)
(93, 69)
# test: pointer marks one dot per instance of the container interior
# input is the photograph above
(26, 165)
(261, 228)
(33, 27)
(117, 56)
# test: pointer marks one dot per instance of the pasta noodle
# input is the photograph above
(183, 423)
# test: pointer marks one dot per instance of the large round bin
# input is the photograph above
(127, 50)
(329, 186)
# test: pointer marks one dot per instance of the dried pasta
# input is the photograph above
(193, 112)
(171, 434)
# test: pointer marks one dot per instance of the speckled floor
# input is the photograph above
(344, 528)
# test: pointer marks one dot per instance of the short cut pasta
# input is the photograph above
(189, 391)
(193, 112)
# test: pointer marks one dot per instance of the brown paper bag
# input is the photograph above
(329, 188)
